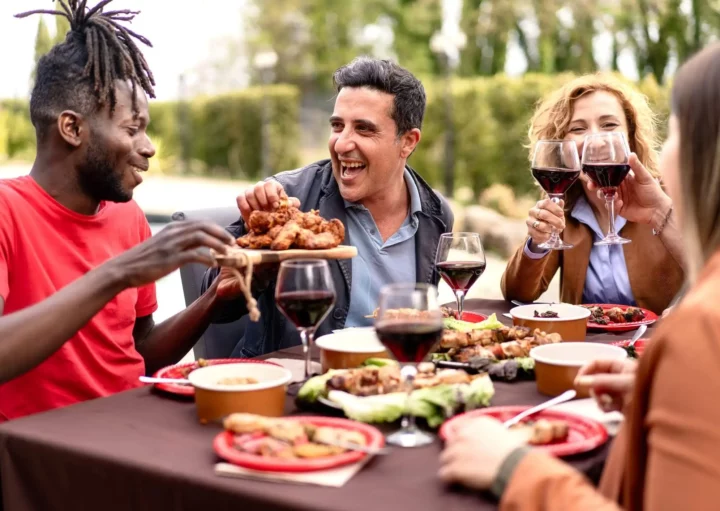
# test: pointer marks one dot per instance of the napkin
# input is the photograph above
(333, 478)
(589, 408)
(297, 367)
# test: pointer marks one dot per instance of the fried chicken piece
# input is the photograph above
(310, 241)
(311, 450)
(311, 220)
(260, 222)
(287, 431)
(324, 434)
(246, 423)
(336, 228)
(286, 237)
(254, 241)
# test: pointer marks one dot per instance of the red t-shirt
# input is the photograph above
(43, 247)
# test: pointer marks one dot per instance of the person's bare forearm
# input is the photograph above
(31, 335)
(167, 342)
(670, 234)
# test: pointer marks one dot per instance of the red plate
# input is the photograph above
(584, 434)
(374, 439)
(473, 317)
(176, 371)
(639, 345)
(650, 318)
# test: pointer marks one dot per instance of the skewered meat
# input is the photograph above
(510, 349)
(457, 339)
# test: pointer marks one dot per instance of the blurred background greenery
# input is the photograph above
(475, 129)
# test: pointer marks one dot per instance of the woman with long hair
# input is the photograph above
(667, 453)
(646, 272)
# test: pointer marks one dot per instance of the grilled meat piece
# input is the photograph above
(456, 339)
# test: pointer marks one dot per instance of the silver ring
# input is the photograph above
(535, 224)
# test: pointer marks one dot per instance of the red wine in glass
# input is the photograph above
(409, 341)
(305, 308)
(607, 176)
(460, 275)
(555, 181)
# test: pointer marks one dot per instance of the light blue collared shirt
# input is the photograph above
(606, 280)
(378, 263)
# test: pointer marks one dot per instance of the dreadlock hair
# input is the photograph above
(79, 74)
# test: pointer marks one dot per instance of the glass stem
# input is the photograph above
(460, 297)
(610, 205)
(554, 237)
(408, 420)
(306, 336)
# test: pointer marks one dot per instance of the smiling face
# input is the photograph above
(118, 148)
(597, 112)
(366, 151)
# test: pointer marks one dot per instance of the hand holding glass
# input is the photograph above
(606, 161)
(555, 166)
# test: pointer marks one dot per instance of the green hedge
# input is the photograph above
(17, 135)
(220, 135)
(223, 133)
(491, 117)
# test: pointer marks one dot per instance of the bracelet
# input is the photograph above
(506, 470)
(657, 231)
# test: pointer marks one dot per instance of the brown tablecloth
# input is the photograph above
(145, 450)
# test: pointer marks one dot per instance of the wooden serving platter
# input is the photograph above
(234, 259)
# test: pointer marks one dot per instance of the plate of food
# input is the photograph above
(293, 444)
(556, 432)
(636, 350)
(376, 393)
(181, 371)
(618, 318)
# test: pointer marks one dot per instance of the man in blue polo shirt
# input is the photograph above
(391, 214)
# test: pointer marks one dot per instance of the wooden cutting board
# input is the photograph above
(276, 256)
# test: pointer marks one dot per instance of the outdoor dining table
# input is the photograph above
(141, 449)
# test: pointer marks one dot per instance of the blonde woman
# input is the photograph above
(667, 454)
(646, 272)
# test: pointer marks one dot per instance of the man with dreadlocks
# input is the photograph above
(77, 260)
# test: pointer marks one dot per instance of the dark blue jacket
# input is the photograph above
(316, 188)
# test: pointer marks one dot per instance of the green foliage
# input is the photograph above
(62, 25)
(221, 135)
(224, 132)
(43, 44)
(17, 135)
(491, 118)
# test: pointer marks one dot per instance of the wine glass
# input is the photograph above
(606, 161)
(410, 325)
(555, 166)
(460, 260)
(305, 294)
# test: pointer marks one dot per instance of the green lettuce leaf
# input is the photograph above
(382, 408)
(490, 323)
(434, 404)
(315, 387)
